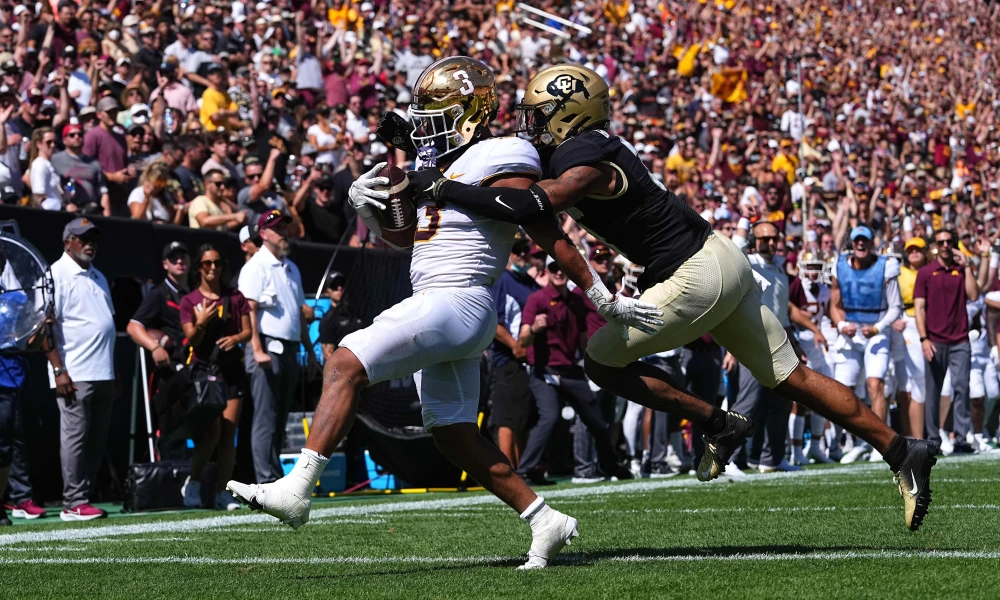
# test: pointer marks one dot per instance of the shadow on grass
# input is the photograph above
(577, 559)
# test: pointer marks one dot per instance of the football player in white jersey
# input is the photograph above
(440, 332)
(810, 297)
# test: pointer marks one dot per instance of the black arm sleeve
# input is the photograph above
(500, 203)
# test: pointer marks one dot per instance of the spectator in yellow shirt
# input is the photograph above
(683, 161)
(785, 161)
(217, 108)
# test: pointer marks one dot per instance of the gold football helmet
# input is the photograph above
(560, 102)
(452, 99)
(811, 267)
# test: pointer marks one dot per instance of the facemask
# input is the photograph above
(114, 35)
(519, 269)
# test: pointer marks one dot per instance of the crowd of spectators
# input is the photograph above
(815, 117)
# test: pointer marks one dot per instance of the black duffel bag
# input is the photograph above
(193, 397)
(157, 486)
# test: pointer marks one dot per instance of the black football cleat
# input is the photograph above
(914, 480)
(720, 448)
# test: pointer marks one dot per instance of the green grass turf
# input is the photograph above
(825, 533)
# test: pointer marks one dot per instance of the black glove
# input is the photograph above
(395, 132)
(426, 182)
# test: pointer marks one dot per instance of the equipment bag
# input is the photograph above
(157, 486)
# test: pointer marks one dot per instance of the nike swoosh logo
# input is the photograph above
(501, 203)
(454, 176)
(914, 479)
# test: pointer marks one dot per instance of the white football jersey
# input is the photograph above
(453, 247)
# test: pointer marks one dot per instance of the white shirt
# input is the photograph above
(155, 210)
(357, 127)
(775, 296)
(324, 139)
(45, 182)
(84, 327)
(276, 286)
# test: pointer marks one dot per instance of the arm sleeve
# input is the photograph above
(895, 308)
(503, 204)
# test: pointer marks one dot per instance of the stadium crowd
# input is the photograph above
(837, 142)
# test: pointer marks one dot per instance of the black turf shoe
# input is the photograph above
(720, 448)
(914, 480)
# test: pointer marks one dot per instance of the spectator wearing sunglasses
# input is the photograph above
(160, 308)
(554, 331)
(210, 210)
(941, 291)
(88, 185)
(46, 190)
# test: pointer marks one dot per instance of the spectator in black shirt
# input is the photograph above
(160, 309)
(325, 220)
(338, 321)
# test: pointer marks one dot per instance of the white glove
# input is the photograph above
(625, 312)
(995, 356)
(361, 195)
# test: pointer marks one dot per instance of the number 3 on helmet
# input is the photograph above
(454, 100)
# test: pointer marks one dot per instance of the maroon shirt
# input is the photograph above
(107, 147)
(944, 290)
(238, 306)
(558, 344)
(594, 319)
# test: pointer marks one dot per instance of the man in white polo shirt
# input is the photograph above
(273, 286)
(81, 366)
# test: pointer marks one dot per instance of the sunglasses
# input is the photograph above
(208, 264)
(767, 238)
(554, 268)
(48, 142)
(72, 134)
(253, 177)
(949, 242)
(88, 240)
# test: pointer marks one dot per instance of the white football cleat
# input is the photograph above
(551, 530)
(287, 499)
(857, 453)
(784, 465)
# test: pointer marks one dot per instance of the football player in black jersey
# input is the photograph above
(700, 280)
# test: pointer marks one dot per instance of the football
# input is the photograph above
(399, 219)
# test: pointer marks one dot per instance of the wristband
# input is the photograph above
(744, 223)
(841, 326)
(923, 339)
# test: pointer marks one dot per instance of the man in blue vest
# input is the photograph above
(864, 302)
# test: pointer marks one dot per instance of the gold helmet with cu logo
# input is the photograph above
(560, 102)
(811, 266)
(453, 100)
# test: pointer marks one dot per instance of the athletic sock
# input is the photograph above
(307, 470)
(796, 428)
(896, 453)
(536, 512)
(715, 423)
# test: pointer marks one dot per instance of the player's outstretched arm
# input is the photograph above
(538, 201)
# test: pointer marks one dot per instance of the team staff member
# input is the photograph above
(911, 381)
(511, 394)
(273, 286)
(82, 368)
(553, 329)
(941, 290)
(160, 308)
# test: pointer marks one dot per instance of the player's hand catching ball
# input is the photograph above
(362, 195)
(425, 181)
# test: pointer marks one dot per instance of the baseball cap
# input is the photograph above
(334, 280)
(598, 250)
(87, 111)
(861, 231)
(33, 95)
(78, 227)
(107, 104)
(140, 113)
(916, 242)
(70, 128)
(123, 61)
(247, 141)
(130, 21)
(175, 248)
(7, 91)
(248, 232)
(271, 219)
(8, 195)
(215, 68)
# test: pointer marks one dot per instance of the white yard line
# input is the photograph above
(374, 509)
(472, 560)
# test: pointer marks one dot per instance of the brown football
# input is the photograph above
(399, 219)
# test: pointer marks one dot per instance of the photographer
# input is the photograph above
(216, 320)
(324, 218)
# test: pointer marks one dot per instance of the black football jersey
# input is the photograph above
(643, 220)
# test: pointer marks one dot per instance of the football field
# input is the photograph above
(833, 532)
